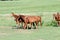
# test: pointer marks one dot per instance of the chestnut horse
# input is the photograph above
(17, 20)
(57, 17)
(35, 19)
(29, 20)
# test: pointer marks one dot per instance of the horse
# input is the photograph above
(29, 20)
(35, 19)
(17, 20)
(57, 17)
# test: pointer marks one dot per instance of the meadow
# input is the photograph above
(43, 8)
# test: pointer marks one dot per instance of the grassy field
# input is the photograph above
(29, 6)
(44, 33)
(43, 8)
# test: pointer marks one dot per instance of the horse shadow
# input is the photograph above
(21, 27)
(15, 27)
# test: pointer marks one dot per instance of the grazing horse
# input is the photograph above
(57, 17)
(29, 20)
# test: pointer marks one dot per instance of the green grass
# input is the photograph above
(7, 21)
(44, 33)
(29, 6)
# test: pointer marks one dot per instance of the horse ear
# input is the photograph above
(58, 13)
(12, 12)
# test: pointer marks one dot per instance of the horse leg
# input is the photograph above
(58, 23)
(21, 24)
(36, 25)
(31, 25)
(18, 24)
(25, 24)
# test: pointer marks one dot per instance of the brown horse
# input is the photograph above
(15, 18)
(57, 17)
(35, 19)
(29, 20)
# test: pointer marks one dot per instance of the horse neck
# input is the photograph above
(15, 16)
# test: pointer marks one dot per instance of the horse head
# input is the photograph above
(15, 16)
(56, 16)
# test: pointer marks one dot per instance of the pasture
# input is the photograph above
(43, 8)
